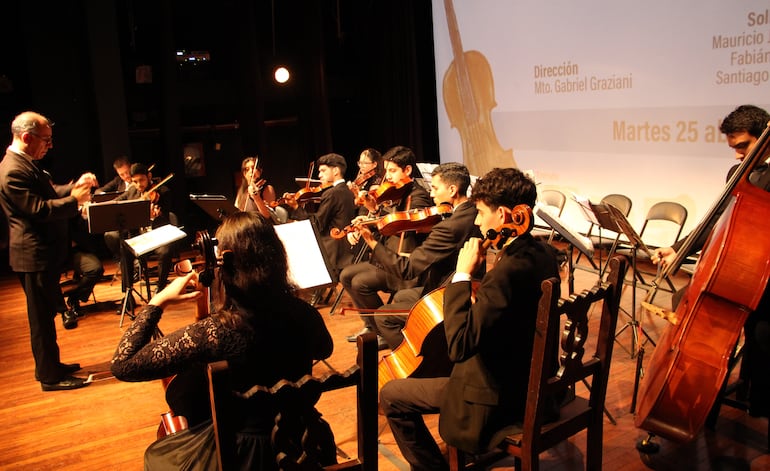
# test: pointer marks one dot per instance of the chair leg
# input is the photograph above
(456, 458)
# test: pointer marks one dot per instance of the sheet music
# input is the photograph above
(572, 236)
(307, 267)
(628, 230)
(149, 241)
(585, 208)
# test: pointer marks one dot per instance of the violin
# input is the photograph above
(302, 196)
(151, 194)
(361, 179)
(171, 423)
(388, 193)
(418, 220)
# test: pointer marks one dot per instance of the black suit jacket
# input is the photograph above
(490, 342)
(116, 184)
(435, 259)
(38, 213)
(336, 209)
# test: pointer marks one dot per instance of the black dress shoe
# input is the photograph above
(352, 338)
(74, 306)
(68, 382)
(69, 319)
(68, 369)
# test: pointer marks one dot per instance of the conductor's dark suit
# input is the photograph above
(38, 215)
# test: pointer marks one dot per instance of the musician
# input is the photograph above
(742, 127)
(160, 215)
(432, 262)
(87, 267)
(489, 340)
(364, 280)
(371, 171)
(259, 312)
(38, 213)
(255, 193)
(122, 180)
(335, 209)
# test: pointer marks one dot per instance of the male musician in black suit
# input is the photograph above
(335, 209)
(433, 261)
(38, 213)
(364, 280)
(742, 128)
(122, 180)
(160, 215)
(489, 340)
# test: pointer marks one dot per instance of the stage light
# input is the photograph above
(281, 74)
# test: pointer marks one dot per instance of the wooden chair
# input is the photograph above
(296, 401)
(534, 436)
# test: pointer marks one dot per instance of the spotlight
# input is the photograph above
(281, 74)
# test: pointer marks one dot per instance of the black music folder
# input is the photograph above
(216, 206)
(105, 196)
(118, 216)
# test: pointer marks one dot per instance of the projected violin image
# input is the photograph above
(469, 96)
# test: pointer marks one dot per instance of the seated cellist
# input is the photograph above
(486, 339)
(258, 313)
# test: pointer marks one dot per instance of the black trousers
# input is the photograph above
(403, 402)
(44, 300)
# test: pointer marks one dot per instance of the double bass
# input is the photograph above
(423, 350)
(690, 362)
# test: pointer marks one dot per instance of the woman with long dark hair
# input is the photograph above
(261, 328)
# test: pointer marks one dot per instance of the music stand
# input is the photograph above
(573, 238)
(216, 206)
(120, 216)
(105, 196)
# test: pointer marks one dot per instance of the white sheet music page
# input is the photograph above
(585, 208)
(149, 241)
(307, 267)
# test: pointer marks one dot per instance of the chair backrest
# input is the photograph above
(581, 413)
(299, 429)
(553, 201)
(667, 211)
(554, 198)
(622, 202)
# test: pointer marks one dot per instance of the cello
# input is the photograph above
(171, 423)
(690, 362)
(423, 353)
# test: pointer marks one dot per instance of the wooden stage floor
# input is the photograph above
(109, 424)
